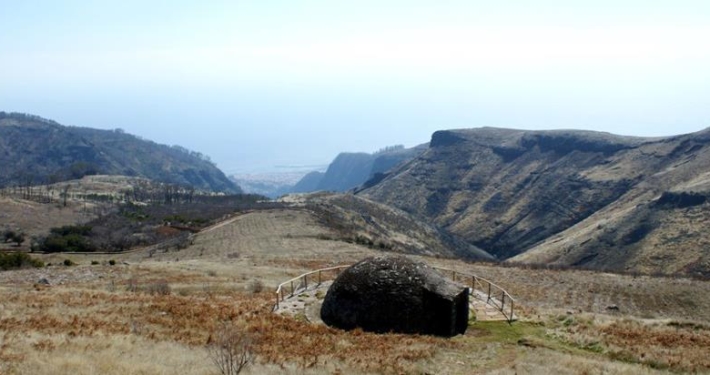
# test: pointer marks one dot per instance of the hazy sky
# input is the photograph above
(259, 84)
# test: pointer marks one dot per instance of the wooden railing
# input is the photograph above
(289, 287)
(489, 291)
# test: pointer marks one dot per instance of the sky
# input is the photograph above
(268, 85)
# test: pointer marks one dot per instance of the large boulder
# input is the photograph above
(395, 294)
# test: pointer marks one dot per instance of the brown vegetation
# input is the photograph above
(142, 314)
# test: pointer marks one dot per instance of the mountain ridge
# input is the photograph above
(514, 192)
(40, 150)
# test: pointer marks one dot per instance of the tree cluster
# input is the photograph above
(14, 261)
(16, 237)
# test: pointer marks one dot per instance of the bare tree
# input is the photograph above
(65, 193)
(230, 349)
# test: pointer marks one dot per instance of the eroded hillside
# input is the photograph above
(566, 197)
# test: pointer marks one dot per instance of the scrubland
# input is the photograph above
(156, 314)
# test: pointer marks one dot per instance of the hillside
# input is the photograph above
(145, 313)
(351, 170)
(359, 220)
(565, 197)
(308, 183)
(35, 150)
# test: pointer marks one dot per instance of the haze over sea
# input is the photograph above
(261, 84)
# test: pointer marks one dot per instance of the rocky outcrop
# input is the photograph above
(396, 294)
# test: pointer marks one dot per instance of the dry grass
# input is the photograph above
(70, 319)
(661, 345)
(554, 291)
(36, 219)
(101, 319)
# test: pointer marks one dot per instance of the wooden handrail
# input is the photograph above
(477, 283)
(304, 278)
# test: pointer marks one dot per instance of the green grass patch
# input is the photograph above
(504, 332)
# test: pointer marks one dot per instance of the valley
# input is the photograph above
(139, 312)
(599, 239)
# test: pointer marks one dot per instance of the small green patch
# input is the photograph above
(508, 333)
(595, 347)
(658, 365)
(471, 317)
(301, 317)
(623, 356)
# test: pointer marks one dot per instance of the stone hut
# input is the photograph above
(395, 294)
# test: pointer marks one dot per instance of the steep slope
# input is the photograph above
(565, 197)
(383, 227)
(35, 150)
(347, 171)
(308, 183)
(351, 170)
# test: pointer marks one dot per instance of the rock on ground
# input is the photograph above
(395, 294)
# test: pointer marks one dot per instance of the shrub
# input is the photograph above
(94, 262)
(8, 235)
(230, 349)
(18, 238)
(12, 236)
(81, 230)
(112, 262)
(255, 286)
(17, 261)
(71, 242)
(160, 287)
(69, 263)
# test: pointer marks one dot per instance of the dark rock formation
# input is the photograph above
(395, 294)
(680, 199)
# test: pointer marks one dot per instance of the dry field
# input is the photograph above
(36, 219)
(156, 314)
